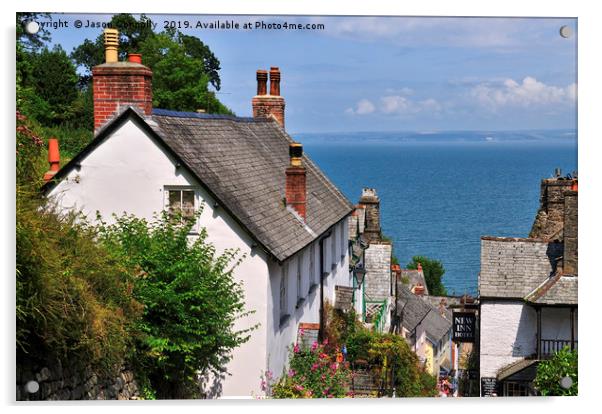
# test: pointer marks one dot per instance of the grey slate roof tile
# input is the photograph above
(243, 161)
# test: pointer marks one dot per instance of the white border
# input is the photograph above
(589, 149)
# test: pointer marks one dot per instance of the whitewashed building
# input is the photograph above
(528, 294)
(259, 194)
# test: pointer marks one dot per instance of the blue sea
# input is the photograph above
(440, 192)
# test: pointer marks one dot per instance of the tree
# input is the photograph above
(549, 373)
(433, 273)
(190, 299)
(32, 41)
(179, 80)
(54, 80)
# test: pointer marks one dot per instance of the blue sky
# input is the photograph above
(394, 73)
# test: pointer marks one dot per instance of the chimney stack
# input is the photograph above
(117, 85)
(265, 105)
(371, 202)
(295, 186)
(570, 256)
(54, 158)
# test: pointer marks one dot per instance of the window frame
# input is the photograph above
(196, 200)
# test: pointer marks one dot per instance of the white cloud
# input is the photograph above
(362, 107)
(396, 105)
(529, 93)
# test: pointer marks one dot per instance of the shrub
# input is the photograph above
(549, 373)
(313, 374)
(73, 297)
(190, 299)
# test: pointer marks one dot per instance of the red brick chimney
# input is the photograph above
(54, 158)
(295, 186)
(265, 105)
(120, 84)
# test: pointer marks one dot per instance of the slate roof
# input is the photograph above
(514, 368)
(513, 267)
(243, 162)
(415, 310)
(557, 290)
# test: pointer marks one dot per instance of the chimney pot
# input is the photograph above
(54, 158)
(274, 81)
(111, 45)
(262, 80)
(135, 58)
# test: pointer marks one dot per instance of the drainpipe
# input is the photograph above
(321, 330)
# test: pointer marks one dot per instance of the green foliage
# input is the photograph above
(313, 373)
(73, 298)
(549, 373)
(433, 274)
(179, 79)
(190, 299)
(388, 355)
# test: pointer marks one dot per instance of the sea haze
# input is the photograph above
(440, 192)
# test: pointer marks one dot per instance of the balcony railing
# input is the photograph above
(550, 346)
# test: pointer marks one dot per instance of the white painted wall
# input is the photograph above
(281, 336)
(508, 334)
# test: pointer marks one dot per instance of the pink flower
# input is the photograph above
(263, 385)
(296, 349)
(299, 387)
(325, 341)
(301, 332)
(314, 366)
(291, 372)
(314, 346)
(333, 366)
(268, 374)
(330, 396)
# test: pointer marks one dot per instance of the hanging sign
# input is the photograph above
(464, 327)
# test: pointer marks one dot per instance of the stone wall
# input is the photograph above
(377, 281)
(58, 382)
(570, 233)
(550, 216)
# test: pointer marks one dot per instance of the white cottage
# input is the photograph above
(259, 192)
(528, 294)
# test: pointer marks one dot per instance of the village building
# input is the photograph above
(528, 293)
(258, 191)
(427, 329)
